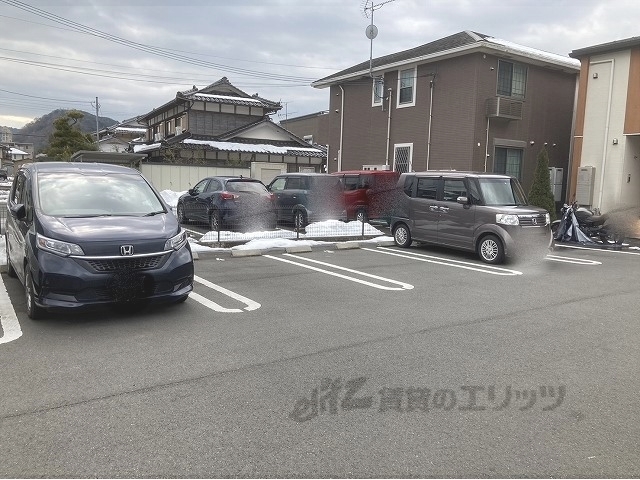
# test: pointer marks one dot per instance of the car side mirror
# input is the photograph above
(192, 191)
(18, 211)
(463, 200)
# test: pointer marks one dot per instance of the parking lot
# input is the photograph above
(375, 361)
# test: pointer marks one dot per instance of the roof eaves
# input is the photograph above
(390, 66)
(483, 45)
(606, 47)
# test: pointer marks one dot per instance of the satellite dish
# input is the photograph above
(371, 31)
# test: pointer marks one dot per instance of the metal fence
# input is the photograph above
(228, 232)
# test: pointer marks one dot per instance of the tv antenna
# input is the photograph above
(368, 7)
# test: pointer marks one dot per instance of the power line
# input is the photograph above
(42, 98)
(310, 67)
(148, 48)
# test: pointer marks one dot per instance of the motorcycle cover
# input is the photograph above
(569, 230)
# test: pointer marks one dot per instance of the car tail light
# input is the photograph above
(229, 196)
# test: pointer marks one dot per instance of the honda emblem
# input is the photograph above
(126, 250)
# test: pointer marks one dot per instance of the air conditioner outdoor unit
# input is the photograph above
(500, 107)
(178, 130)
(376, 167)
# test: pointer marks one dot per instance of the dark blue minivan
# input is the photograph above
(90, 234)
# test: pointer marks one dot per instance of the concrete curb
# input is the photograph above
(348, 245)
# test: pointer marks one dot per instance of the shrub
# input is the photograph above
(541, 194)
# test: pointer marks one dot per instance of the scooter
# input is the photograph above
(579, 224)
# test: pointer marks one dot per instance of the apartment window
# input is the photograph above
(508, 161)
(402, 157)
(406, 87)
(512, 79)
(377, 91)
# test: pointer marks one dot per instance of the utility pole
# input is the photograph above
(97, 128)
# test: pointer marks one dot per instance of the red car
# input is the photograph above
(368, 194)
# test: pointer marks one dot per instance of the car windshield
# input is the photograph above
(502, 191)
(87, 195)
(244, 186)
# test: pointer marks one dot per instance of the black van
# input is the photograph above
(478, 212)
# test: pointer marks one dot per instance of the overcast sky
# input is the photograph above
(135, 55)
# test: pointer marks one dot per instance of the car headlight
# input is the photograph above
(58, 247)
(507, 219)
(547, 218)
(177, 242)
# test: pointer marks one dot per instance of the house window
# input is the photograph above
(378, 91)
(508, 161)
(512, 79)
(402, 157)
(406, 81)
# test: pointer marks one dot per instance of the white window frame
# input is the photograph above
(396, 146)
(377, 81)
(412, 103)
(518, 84)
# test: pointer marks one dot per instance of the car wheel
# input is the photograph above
(491, 250)
(402, 235)
(10, 270)
(182, 218)
(361, 215)
(299, 219)
(182, 299)
(214, 220)
(33, 311)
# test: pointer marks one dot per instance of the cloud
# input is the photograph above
(134, 56)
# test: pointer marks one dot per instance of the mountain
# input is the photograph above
(38, 131)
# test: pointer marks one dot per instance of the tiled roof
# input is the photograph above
(458, 43)
(233, 100)
(266, 148)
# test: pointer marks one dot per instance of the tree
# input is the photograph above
(541, 194)
(67, 138)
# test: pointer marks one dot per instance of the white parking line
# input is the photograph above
(8, 320)
(250, 304)
(596, 249)
(577, 261)
(402, 285)
(445, 261)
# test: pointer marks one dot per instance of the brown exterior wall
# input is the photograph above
(579, 127)
(632, 114)
(461, 87)
(314, 125)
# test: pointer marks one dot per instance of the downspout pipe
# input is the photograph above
(486, 146)
(341, 128)
(430, 120)
(388, 127)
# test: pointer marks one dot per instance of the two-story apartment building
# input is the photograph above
(606, 152)
(466, 102)
(220, 130)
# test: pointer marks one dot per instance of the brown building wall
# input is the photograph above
(461, 87)
(632, 113)
(316, 125)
